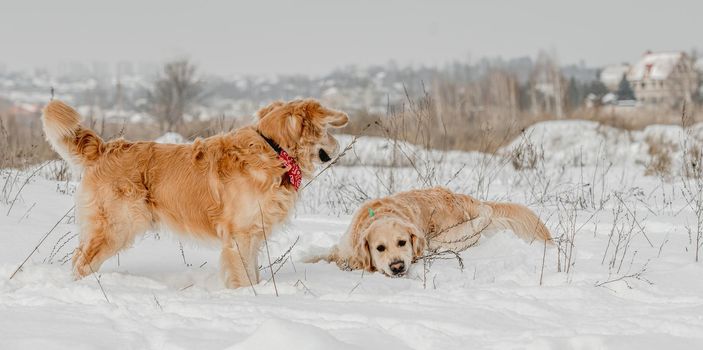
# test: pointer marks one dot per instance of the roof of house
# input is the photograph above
(655, 66)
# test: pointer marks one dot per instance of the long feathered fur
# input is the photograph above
(210, 189)
(77, 145)
(519, 219)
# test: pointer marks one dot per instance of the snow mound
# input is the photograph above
(171, 137)
(581, 142)
(575, 142)
(569, 143)
(281, 334)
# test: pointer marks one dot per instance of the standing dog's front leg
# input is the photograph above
(255, 243)
(236, 263)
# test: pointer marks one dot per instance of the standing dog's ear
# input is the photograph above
(361, 260)
(335, 118)
(325, 116)
(267, 109)
(418, 243)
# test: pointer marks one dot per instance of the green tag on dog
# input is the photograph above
(371, 213)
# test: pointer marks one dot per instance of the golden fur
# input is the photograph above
(407, 223)
(216, 188)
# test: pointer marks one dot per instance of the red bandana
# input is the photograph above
(295, 176)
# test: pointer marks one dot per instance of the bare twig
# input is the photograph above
(637, 222)
(307, 290)
(95, 275)
(268, 254)
(336, 159)
(443, 255)
(40, 242)
(544, 255)
(183, 254)
(244, 264)
(281, 259)
(158, 303)
(26, 213)
(25, 184)
(357, 283)
(60, 243)
(639, 275)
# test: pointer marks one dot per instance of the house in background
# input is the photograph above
(612, 75)
(663, 79)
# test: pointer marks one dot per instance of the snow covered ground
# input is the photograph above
(624, 278)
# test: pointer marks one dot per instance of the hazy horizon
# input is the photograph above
(315, 37)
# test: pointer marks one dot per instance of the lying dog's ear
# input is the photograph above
(361, 260)
(267, 109)
(419, 243)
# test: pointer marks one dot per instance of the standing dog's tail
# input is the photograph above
(79, 146)
(519, 219)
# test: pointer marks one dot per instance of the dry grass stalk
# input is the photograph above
(268, 253)
(638, 276)
(246, 270)
(41, 241)
(660, 152)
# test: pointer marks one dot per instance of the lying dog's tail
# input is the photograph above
(79, 146)
(519, 219)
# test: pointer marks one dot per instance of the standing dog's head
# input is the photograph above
(301, 127)
(388, 245)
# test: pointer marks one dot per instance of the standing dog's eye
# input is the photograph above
(401, 243)
(381, 248)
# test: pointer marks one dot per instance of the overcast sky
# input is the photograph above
(315, 36)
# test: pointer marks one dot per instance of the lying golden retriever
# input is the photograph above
(232, 187)
(388, 234)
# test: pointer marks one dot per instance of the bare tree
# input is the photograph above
(174, 93)
(547, 86)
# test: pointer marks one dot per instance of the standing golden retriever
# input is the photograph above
(388, 234)
(231, 187)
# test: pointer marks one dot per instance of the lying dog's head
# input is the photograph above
(301, 128)
(388, 245)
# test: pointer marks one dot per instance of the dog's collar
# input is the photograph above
(293, 173)
(276, 147)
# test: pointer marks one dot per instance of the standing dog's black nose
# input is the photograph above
(397, 267)
(324, 157)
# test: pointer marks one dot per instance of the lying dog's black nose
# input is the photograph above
(397, 267)
(324, 157)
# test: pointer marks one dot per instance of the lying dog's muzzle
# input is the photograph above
(397, 267)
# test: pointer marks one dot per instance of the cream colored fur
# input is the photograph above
(407, 224)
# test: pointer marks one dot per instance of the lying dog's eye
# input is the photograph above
(401, 243)
(381, 248)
